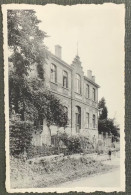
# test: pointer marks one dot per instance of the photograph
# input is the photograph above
(64, 69)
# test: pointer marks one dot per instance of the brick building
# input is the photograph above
(76, 91)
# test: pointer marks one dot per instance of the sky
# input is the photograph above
(99, 31)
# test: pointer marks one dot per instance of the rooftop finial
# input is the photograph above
(77, 48)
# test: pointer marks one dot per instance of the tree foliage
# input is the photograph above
(105, 124)
(50, 108)
(28, 96)
(25, 40)
(76, 144)
(102, 106)
(20, 136)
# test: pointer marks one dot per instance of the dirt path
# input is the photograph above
(110, 179)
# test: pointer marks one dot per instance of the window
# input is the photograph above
(87, 120)
(78, 119)
(53, 73)
(78, 83)
(94, 120)
(87, 91)
(94, 94)
(65, 79)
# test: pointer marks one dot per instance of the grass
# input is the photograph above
(46, 173)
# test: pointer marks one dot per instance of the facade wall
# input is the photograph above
(69, 96)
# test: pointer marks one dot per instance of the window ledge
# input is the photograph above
(65, 88)
(78, 93)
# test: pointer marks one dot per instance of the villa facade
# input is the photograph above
(76, 91)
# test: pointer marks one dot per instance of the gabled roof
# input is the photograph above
(76, 60)
(61, 61)
(91, 81)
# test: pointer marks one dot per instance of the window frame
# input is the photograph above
(53, 70)
(78, 83)
(78, 119)
(88, 119)
(65, 77)
(94, 94)
(87, 91)
(94, 121)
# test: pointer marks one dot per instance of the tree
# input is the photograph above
(20, 136)
(50, 108)
(105, 124)
(102, 106)
(25, 41)
(113, 128)
(27, 96)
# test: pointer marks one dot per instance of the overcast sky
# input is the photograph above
(99, 31)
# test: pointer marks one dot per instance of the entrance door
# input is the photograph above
(78, 119)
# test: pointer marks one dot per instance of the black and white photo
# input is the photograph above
(64, 97)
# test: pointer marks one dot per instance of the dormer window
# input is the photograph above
(78, 83)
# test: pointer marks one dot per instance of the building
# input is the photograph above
(76, 91)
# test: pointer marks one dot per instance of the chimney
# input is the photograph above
(89, 74)
(58, 51)
(93, 78)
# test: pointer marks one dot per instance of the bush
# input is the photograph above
(76, 144)
(41, 151)
(20, 136)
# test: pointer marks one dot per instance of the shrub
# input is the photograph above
(20, 136)
(40, 151)
(76, 144)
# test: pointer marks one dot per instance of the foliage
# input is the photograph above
(25, 40)
(20, 136)
(105, 124)
(28, 97)
(108, 126)
(50, 108)
(73, 144)
(21, 98)
(39, 151)
(102, 105)
(76, 144)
